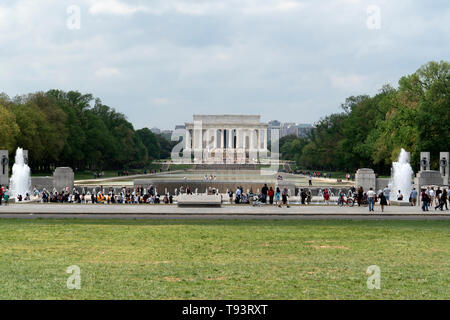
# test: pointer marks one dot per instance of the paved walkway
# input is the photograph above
(226, 211)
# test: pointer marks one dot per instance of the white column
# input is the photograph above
(230, 135)
(187, 144)
(265, 139)
(238, 135)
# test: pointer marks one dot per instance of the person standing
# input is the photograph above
(264, 191)
(6, 196)
(271, 193)
(360, 195)
(371, 199)
(413, 197)
(230, 195)
(424, 199)
(310, 179)
(277, 197)
(1, 194)
(383, 201)
(387, 194)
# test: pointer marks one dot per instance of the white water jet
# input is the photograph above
(21, 176)
(401, 178)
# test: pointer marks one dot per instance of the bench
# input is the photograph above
(199, 200)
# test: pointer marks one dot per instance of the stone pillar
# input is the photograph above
(252, 137)
(424, 161)
(63, 178)
(444, 166)
(25, 156)
(188, 139)
(230, 138)
(366, 178)
(265, 140)
(4, 168)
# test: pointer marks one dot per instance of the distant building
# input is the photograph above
(180, 127)
(155, 130)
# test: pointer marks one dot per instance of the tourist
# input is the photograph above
(1, 194)
(310, 179)
(443, 200)
(271, 193)
(308, 197)
(387, 194)
(360, 195)
(399, 196)
(264, 191)
(383, 201)
(6, 196)
(371, 199)
(230, 195)
(302, 196)
(238, 195)
(277, 197)
(326, 197)
(413, 197)
(285, 196)
(425, 198)
(432, 196)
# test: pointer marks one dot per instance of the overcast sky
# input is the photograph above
(159, 62)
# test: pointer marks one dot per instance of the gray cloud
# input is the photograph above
(161, 61)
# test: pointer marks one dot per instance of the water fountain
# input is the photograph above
(401, 178)
(21, 176)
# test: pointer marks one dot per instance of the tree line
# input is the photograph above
(370, 131)
(77, 130)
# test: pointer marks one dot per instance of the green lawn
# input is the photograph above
(224, 259)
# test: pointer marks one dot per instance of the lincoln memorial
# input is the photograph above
(214, 139)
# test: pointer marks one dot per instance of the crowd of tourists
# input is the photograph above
(430, 197)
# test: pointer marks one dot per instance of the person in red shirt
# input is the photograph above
(270, 194)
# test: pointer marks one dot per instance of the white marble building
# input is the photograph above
(226, 139)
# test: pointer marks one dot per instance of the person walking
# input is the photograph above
(413, 197)
(285, 196)
(308, 197)
(383, 201)
(271, 193)
(443, 200)
(371, 199)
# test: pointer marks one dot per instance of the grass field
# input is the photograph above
(224, 259)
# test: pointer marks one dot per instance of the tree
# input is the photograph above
(9, 130)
